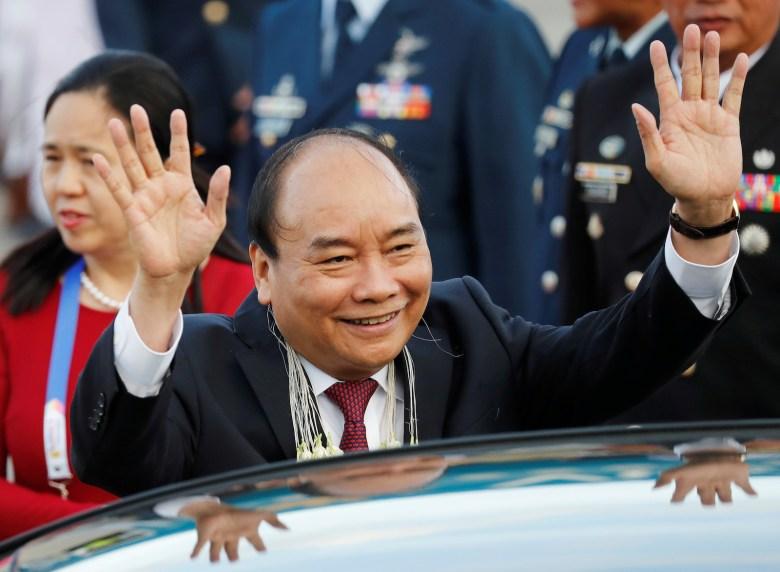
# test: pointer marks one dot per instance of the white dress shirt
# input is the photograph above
(638, 39)
(367, 13)
(142, 370)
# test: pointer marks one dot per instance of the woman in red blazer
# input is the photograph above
(62, 289)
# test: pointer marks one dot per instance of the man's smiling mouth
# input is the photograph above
(373, 321)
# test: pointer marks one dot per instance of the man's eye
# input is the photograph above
(402, 247)
(336, 260)
(50, 158)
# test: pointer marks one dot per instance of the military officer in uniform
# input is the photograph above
(615, 211)
(455, 86)
(210, 51)
(609, 34)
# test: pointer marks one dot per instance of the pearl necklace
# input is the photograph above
(98, 294)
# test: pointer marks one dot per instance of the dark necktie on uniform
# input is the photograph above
(615, 59)
(352, 397)
(345, 13)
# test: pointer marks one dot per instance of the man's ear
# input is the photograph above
(261, 269)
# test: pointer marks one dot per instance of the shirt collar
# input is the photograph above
(638, 39)
(320, 381)
(367, 11)
(725, 77)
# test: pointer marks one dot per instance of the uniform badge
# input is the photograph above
(549, 281)
(558, 226)
(276, 112)
(546, 138)
(595, 228)
(557, 117)
(759, 192)
(754, 240)
(600, 180)
(764, 159)
(566, 99)
(611, 147)
(395, 97)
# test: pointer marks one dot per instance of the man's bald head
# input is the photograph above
(271, 180)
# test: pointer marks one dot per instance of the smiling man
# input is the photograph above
(346, 345)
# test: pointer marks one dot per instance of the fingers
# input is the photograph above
(127, 155)
(665, 478)
(198, 546)
(274, 521)
(215, 549)
(144, 141)
(711, 67)
(665, 84)
(732, 97)
(707, 495)
(681, 491)
(179, 158)
(216, 202)
(122, 195)
(746, 486)
(256, 541)
(231, 549)
(652, 144)
(724, 492)
(691, 64)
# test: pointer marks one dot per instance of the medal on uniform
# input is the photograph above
(276, 112)
(759, 192)
(611, 147)
(395, 97)
(600, 180)
(764, 159)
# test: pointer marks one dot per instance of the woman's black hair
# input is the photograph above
(122, 78)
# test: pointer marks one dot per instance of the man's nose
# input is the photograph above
(376, 282)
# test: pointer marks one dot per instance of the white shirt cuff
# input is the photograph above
(140, 368)
(706, 286)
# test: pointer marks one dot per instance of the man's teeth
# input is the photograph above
(373, 321)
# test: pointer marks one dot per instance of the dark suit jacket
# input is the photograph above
(739, 377)
(225, 402)
(487, 68)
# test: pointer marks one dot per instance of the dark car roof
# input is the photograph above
(563, 500)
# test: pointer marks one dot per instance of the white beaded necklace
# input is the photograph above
(98, 294)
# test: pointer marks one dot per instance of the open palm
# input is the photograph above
(695, 154)
(170, 228)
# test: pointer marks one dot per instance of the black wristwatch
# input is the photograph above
(703, 232)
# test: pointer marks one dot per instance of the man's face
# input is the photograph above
(353, 274)
(743, 25)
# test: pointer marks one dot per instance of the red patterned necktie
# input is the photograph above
(352, 397)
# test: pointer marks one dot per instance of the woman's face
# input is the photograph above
(86, 215)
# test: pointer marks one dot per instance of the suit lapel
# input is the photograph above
(433, 378)
(376, 47)
(265, 371)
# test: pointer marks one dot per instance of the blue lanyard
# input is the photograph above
(59, 368)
